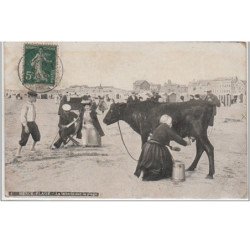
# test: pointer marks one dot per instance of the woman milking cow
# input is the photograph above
(190, 119)
(156, 161)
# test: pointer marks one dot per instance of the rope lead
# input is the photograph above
(124, 142)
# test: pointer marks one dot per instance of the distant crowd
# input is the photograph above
(132, 97)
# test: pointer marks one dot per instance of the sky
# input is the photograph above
(121, 64)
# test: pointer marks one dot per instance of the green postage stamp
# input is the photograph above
(40, 63)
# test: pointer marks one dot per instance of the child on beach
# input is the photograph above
(29, 126)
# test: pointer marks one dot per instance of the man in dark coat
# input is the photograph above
(66, 125)
(155, 97)
(216, 103)
(133, 98)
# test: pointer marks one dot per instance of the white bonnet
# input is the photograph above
(166, 119)
(66, 107)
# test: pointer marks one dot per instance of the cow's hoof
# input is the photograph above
(190, 169)
(137, 174)
(209, 177)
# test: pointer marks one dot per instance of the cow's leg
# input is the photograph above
(210, 153)
(199, 152)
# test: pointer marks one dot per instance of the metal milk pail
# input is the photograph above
(178, 171)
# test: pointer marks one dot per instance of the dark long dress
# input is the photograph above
(155, 160)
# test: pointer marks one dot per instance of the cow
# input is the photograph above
(189, 119)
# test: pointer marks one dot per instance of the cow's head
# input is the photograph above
(115, 113)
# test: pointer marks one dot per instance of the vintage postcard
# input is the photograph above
(145, 120)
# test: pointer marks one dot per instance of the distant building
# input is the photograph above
(155, 87)
(198, 87)
(239, 87)
(141, 85)
(172, 97)
(226, 88)
(170, 87)
(183, 89)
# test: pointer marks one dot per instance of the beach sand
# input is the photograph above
(109, 170)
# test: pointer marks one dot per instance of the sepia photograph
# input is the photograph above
(125, 120)
(124, 125)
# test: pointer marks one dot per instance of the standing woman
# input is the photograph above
(155, 160)
(102, 106)
(91, 128)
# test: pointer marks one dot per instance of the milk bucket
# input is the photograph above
(178, 171)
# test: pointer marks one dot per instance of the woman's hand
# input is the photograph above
(188, 141)
(150, 136)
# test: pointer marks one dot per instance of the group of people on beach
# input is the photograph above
(155, 161)
(84, 125)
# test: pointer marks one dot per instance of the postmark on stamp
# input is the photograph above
(40, 69)
(39, 64)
